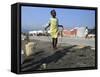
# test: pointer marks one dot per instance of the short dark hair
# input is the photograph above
(53, 11)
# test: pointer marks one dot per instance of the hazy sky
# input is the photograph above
(34, 18)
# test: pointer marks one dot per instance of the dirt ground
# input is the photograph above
(65, 56)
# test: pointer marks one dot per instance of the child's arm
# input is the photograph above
(61, 26)
(47, 26)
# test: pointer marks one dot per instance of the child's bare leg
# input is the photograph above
(53, 42)
(56, 41)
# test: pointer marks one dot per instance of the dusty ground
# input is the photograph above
(66, 56)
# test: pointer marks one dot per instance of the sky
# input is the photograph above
(36, 18)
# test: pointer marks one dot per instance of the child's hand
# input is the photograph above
(45, 28)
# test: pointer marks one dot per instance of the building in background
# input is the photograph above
(81, 32)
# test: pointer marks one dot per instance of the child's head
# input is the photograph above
(53, 13)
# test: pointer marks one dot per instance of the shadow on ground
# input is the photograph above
(67, 55)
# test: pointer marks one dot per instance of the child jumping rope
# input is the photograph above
(53, 24)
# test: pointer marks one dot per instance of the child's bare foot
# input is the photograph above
(55, 48)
